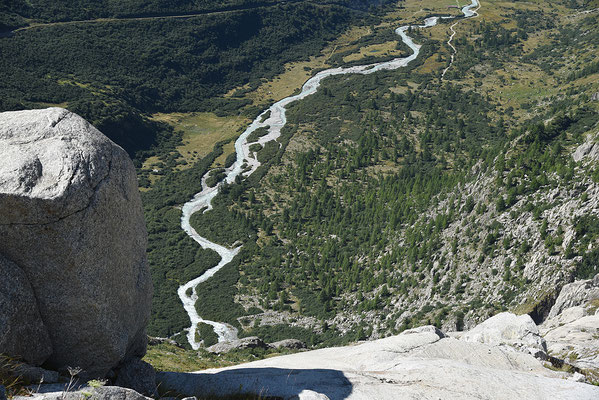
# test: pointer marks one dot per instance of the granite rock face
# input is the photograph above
(59, 392)
(576, 294)
(509, 329)
(588, 150)
(572, 329)
(292, 344)
(71, 219)
(573, 336)
(22, 331)
(421, 364)
(36, 374)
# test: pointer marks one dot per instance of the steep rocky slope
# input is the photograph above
(515, 257)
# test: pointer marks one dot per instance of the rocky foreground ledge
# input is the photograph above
(505, 357)
(422, 363)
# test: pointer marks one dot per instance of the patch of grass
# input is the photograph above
(228, 151)
(593, 306)
(560, 367)
(168, 357)
(14, 385)
(297, 73)
(537, 306)
(379, 49)
(201, 131)
(286, 83)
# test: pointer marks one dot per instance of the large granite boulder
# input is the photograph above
(511, 330)
(251, 342)
(289, 344)
(22, 331)
(71, 219)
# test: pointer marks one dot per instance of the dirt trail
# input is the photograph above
(153, 17)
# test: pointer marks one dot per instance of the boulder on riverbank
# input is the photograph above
(289, 344)
(254, 342)
(71, 220)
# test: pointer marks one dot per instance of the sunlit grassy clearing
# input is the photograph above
(201, 131)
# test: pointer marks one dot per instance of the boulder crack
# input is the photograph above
(95, 189)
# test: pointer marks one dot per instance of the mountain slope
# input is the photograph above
(399, 199)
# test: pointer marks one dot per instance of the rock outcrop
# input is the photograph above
(572, 329)
(420, 364)
(71, 219)
(519, 332)
(56, 392)
(291, 344)
(35, 375)
(251, 342)
(576, 294)
(588, 150)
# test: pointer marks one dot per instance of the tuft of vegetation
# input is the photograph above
(206, 333)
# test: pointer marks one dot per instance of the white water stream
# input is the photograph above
(275, 121)
(469, 12)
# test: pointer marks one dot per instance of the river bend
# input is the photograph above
(275, 122)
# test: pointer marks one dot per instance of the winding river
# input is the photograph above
(274, 119)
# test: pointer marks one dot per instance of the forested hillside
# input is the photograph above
(21, 12)
(116, 72)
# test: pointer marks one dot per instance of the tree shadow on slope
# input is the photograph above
(271, 383)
